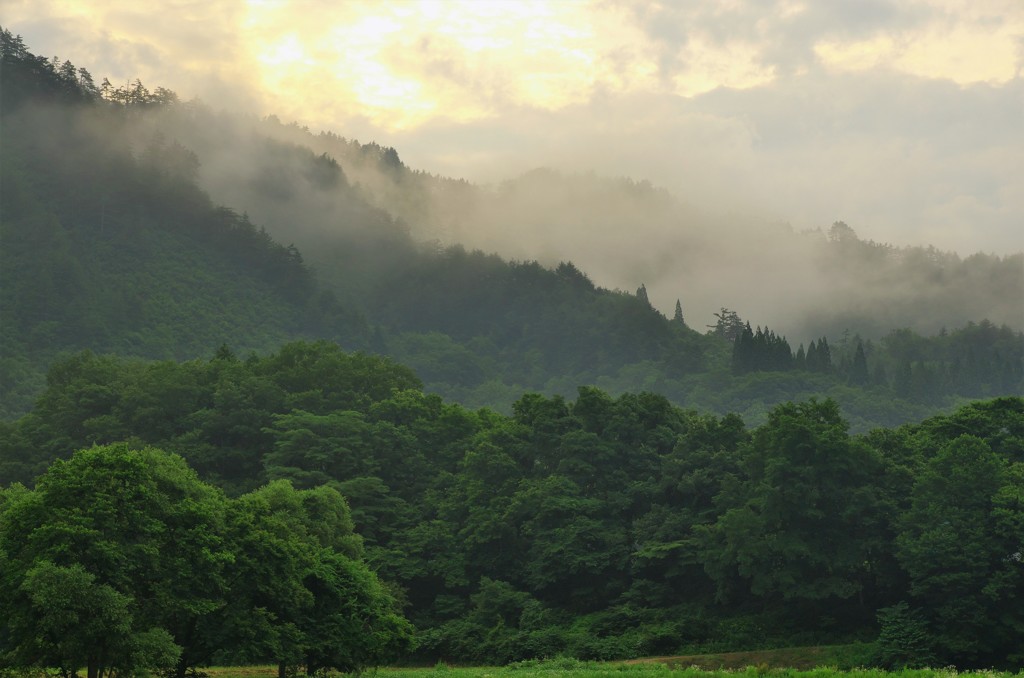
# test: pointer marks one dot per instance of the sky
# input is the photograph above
(903, 118)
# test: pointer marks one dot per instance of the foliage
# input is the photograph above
(111, 245)
(960, 545)
(601, 527)
(329, 491)
(115, 561)
(121, 560)
(904, 640)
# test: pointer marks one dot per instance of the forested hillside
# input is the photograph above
(113, 247)
(268, 395)
(110, 244)
(624, 233)
(600, 527)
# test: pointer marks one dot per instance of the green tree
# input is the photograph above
(300, 594)
(134, 532)
(67, 621)
(728, 326)
(666, 538)
(904, 640)
(677, 316)
(320, 377)
(313, 449)
(641, 294)
(960, 543)
(354, 622)
(807, 520)
(575, 556)
(859, 367)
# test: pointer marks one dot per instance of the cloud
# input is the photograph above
(192, 47)
(898, 116)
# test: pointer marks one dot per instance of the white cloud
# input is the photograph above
(901, 117)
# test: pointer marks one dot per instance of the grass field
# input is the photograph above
(802, 662)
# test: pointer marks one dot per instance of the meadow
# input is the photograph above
(667, 667)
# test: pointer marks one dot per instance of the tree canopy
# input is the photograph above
(600, 526)
(121, 559)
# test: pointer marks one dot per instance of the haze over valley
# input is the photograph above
(335, 335)
(673, 146)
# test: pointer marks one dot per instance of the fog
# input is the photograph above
(622, 233)
(702, 149)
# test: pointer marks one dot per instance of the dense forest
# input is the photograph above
(600, 527)
(111, 244)
(366, 424)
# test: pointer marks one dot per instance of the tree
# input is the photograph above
(129, 542)
(728, 326)
(76, 622)
(806, 522)
(677, 318)
(301, 595)
(641, 294)
(903, 640)
(574, 555)
(819, 356)
(859, 367)
(311, 449)
(666, 539)
(354, 622)
(960, 543)
(86, 83)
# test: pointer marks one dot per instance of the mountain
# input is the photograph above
(110, 245)
(113, 248)
(115, 240)
(625, 233)
(603, 525)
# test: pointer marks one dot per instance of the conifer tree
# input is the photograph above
(859, 367)
(824, 356)
(641, 294)
(678, 317)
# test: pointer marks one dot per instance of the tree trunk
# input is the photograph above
(282, 670)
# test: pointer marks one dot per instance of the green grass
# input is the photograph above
(573, 669)
(269, 671)
(758, 664)
(801, 658)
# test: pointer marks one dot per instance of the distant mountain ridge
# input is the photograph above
(624, 233)
(114, 242)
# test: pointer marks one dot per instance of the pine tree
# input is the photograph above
(859, 367)
(729, 325)
(744, 351)
(678, 317)
(641, 294)
(824, 361)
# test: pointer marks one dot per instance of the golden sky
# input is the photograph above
(480, 87)
(403, 63)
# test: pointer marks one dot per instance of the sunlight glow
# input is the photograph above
(985, 49)
(708, 67)
(402, 64)
(285, 52)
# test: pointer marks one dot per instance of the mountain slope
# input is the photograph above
(116, 250)
(624, 233)
(111, 243)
